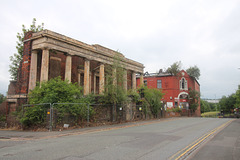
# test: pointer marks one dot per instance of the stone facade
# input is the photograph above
(48, 54)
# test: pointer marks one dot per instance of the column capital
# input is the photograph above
(86, 59)
(34, 51)
(45, 48)
(68, 54)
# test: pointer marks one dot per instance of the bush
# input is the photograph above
(210, 114)
(153, 98)
(174, 110)
(56, 91)
(134, 95)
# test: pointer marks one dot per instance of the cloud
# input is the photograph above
(155, 33)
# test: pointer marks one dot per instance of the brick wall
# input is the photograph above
(23, 71)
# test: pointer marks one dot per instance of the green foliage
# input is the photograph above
(153, 98)
(2, 108)
(2, 118)
(2, 98)
(194, 72)
(177, 109)
(34, 115)
(175, 68)
(205, 106)
(194, 99)
(237, 97)
(134, 95)
(227, 103)
(115, 92)
(56, 91)
(17, 57)
(210, 114)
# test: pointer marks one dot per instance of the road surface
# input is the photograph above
(173, 138)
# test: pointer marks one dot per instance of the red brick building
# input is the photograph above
(175, 88)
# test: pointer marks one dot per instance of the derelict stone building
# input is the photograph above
(48, 54)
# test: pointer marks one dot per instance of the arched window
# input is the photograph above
(183, 84)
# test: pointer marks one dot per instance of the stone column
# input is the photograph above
(134, 80)
(94, 83)
(90, 82)
(86, 76)
(141, 79)
(45, 65)
(101, 79)
(79, 79)
(68, 68)
(33, 71)
(125, 80)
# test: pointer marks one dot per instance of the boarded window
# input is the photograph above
(55, 67)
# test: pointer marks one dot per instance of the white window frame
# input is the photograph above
(183, 84)
(159, 82)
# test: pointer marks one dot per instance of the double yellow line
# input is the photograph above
(189, 148)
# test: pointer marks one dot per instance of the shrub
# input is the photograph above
(174, 110)
(153, 97)
(56, 91)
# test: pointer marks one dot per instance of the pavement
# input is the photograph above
(225, 145)
(30, 135)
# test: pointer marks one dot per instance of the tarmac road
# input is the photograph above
(173, 138)
(224, 146)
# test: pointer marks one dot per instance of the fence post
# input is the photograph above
(51, 115)
(113, 118)
(88, 116)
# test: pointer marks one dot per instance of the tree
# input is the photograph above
(194, 97)
(17, 57)
(194, 72)
(227, 103)
(115, 93)
(153, 97)
(175, 68)
(205, 107)
(237, 96)
(2, 98)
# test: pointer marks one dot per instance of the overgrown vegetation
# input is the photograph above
(55, 91)
(207, 107)
(177, 109)
(194, 99)
(194, 72)
(17, 57)
(152, 97)
(114, 93)
(2, 108)
(210, 114)
(228, 103)
(176, 67)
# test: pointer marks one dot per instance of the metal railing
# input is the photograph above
(92, 114)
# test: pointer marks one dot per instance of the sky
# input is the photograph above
(156, 33)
